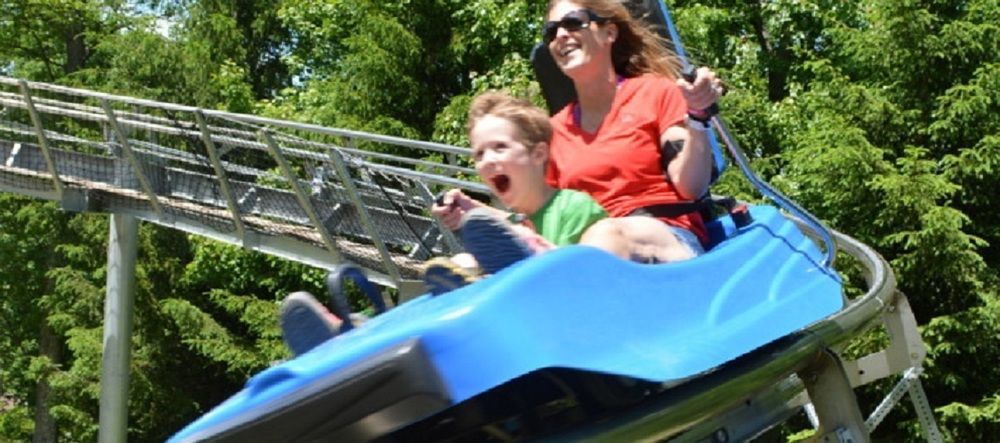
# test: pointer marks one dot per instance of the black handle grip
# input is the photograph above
(690, 74)
(439, 199)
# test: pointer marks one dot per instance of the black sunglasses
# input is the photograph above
(573, 21)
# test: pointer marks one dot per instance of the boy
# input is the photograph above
(509, 138)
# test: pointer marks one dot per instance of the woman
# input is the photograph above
(629, 140)
(632, 140)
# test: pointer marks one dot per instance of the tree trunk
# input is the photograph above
(49, 345)
(76, 48)
(45, 424)
(776, 59)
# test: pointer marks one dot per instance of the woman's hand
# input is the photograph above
(703, 91)
(691, 170)
(451, 206)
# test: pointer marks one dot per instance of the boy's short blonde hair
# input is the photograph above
(532, 122)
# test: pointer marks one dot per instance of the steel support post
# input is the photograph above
(833, 398)
(118, 304)
(924, 412)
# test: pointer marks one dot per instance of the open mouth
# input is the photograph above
(501, 183)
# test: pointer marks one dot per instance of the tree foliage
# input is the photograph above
(880, 117)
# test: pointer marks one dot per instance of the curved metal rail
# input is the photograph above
(780, 199)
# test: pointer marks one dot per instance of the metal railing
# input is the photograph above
(317, 195)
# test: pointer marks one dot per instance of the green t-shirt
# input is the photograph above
(565, 216)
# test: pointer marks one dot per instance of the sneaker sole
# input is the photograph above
(304, 324)
(491, 241)
(440, 279)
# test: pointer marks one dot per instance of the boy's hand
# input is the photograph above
(450, 207)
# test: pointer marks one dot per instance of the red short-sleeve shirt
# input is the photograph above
(619, 165)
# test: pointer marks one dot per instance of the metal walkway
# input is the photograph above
(306, 193)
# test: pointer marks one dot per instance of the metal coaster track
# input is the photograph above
(303, 192)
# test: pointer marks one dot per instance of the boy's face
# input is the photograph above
(515, 174)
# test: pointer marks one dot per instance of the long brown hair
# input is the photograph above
(637, 50)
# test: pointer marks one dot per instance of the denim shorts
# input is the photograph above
(687, 238)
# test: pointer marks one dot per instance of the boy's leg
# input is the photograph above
(534, 240)
(492, 241)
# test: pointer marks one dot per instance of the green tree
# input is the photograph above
(247, 34)
(51, 386)
(882, 120)
(45, 40)
(879, 117)
(32, 350)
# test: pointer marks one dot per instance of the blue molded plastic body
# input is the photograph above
(581, 308)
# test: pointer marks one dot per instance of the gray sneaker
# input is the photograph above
(305, 322)
(491, 241)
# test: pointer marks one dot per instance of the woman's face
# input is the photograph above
(575, 49)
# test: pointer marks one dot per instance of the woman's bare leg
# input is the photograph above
(640, 239)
